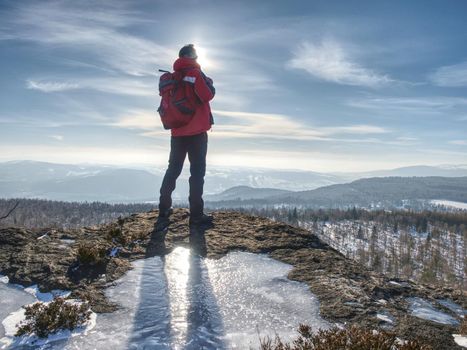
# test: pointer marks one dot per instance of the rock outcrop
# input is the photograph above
(348, 292)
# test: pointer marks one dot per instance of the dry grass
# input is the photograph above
(116, 235)
(90, 254)
(124, 237)
(353, 338)
(43, 319)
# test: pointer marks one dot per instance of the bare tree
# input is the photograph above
(11, 211)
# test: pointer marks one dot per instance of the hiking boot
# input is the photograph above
(163, 221)
(202, 220)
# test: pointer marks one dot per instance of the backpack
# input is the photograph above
(177, 106)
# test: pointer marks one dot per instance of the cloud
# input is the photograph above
(356, 129)
(139, 120)
(279, 126)
(147, 123)
(236, 124)
(57, 137)
(96, 32)
(50, 86)
(450, 76)
(459, 142)
(425, 105)
(328, 61)
(113, 85)
(121, 156)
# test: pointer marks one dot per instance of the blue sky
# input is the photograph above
(316, 85)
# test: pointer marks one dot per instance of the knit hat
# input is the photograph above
(188, 51)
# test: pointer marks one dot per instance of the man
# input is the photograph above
(191, 139)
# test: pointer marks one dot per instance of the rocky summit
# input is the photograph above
(86, 261)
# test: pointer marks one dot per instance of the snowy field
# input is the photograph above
(382, 248)
(450, 204)
(183, 301)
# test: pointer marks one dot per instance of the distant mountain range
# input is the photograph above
(246, 192)
(419, 170)
(32, 179)
(381, 191)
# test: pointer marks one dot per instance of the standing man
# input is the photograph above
(191, 139)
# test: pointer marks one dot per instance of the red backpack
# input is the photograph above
(177, 105)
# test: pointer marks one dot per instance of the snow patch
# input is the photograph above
(84, 173)
(46, 297)
(4, 279)
(460, 340)
(385, 317)
(67, 240)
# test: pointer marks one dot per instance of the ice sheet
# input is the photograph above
(183, 301)
(424, 309)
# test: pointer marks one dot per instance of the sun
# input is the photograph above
(203, 57)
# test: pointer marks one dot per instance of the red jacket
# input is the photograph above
(204, 90)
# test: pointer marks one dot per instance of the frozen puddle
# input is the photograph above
(424, 309)
(183, 301)
(12, 298)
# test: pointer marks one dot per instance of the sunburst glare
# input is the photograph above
(204, 58)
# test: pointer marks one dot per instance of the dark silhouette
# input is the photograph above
(190, 138)
(151, 323)
(205, 327)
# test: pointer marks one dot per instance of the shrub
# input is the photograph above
(44, 319)
(353, 338)
(90, 254)
(463, 327)
(115, 234)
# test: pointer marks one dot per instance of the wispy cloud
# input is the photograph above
(356, 129)
(96, 32)
(131, 154)
(328, 61)
(57, 137)
(425, 105)
(50, 86)
(279, 126)
(139, 120)
(243, 125)
(459, 142)
(113, 85)
(454, 75)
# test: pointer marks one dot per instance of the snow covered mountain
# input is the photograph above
(30, 179)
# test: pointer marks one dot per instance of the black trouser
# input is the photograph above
(196, 146)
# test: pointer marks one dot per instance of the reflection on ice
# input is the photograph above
(253, 292)
(183, 301)
(456, 308)
(424, 309)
